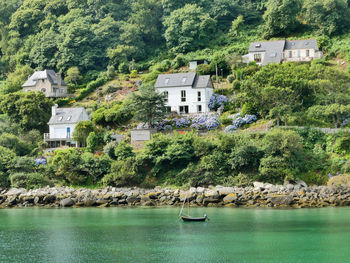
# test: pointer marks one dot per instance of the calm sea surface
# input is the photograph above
(156, 235)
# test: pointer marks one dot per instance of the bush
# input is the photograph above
(123, 68)
(340, 180)
(109, 149)
(203, 69)
(179, 61)
(19, 180)
(230, 78)
(236, 85)
(123, 151)
(123, 173)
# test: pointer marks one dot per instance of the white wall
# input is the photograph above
(174, 98)
(251, 56)
(295, 55)
(59, 131)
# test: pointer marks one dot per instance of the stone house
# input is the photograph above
(266, 52)
(185, 93)
(49, 82)
(62, 124)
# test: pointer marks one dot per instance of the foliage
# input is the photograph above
(28, 109)
(123, 151)
(82, 131)
(73, 76)
(118, 114)
(148, 105)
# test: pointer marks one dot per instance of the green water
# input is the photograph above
(155, 235)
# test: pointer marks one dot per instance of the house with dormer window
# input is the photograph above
(62, 124)
(266, 52)
(48, 82)
(185, 93)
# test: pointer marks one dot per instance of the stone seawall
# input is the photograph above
(261, 195)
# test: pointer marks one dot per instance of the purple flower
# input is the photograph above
(216, 101)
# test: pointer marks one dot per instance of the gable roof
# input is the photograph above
(175, 80)
(302, 44)
(202, 81)
(66, 115)
(273, 50)
(46, 74)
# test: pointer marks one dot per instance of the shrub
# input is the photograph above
(236, 85)
(109, 149)
(133, 74)
(123, 151)
(19, 180)
(230, 78)
(123, 68)
(123, 173)
(203, 69)
(340, 180)
(179, 61)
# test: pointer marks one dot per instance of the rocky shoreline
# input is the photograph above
(261, 195)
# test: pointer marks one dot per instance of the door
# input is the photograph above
(68, 132)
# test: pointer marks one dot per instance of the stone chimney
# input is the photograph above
(59, 79)
(54, 110)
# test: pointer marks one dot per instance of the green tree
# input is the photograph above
(280, 17)
(188, 28)
(82, 131)
(149, 105)
(29, 110)
(328, 16)
(73, 75)
(16, 79)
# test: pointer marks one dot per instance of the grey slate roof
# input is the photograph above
(63, 114)
(302, 44)
(202, 81)
(273, 50)
(182, 80)
(175, 80)
(46, 74)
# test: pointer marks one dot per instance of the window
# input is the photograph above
(60, 118)
(199, 96)
(199, 108)
(168, 109)
(183, 95)
(258, 45)
(183, 109)
(166, 96)
(257, 58)
(273, 55)
(290, 54)
(299, 54)
(69, 118)
(308, 53)
(62, 91)
(184, 80)
(166, 82)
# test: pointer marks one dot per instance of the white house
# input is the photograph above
(266, 52)
(185, 93)
(48, 82)
(62, 125)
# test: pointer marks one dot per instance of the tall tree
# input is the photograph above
(149, 105)
(280, 17)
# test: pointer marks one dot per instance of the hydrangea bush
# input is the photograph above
(238, 121)
(216, 101)
(202, 122)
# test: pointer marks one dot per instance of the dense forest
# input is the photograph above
(91, 34)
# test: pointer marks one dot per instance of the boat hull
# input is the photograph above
(193, 219)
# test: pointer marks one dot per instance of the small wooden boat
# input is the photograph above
(193, 219)
(189, 218)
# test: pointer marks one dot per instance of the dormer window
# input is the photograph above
(166, 81)
(184, 80)
(273, 55)
(258, 45)
(69, 118)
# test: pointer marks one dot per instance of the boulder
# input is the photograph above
(230, 198)
(49, 199)
(67, 202)
(226, 190)
(281, 200)
(258, 185)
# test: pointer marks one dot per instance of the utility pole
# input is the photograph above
(216, 67)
